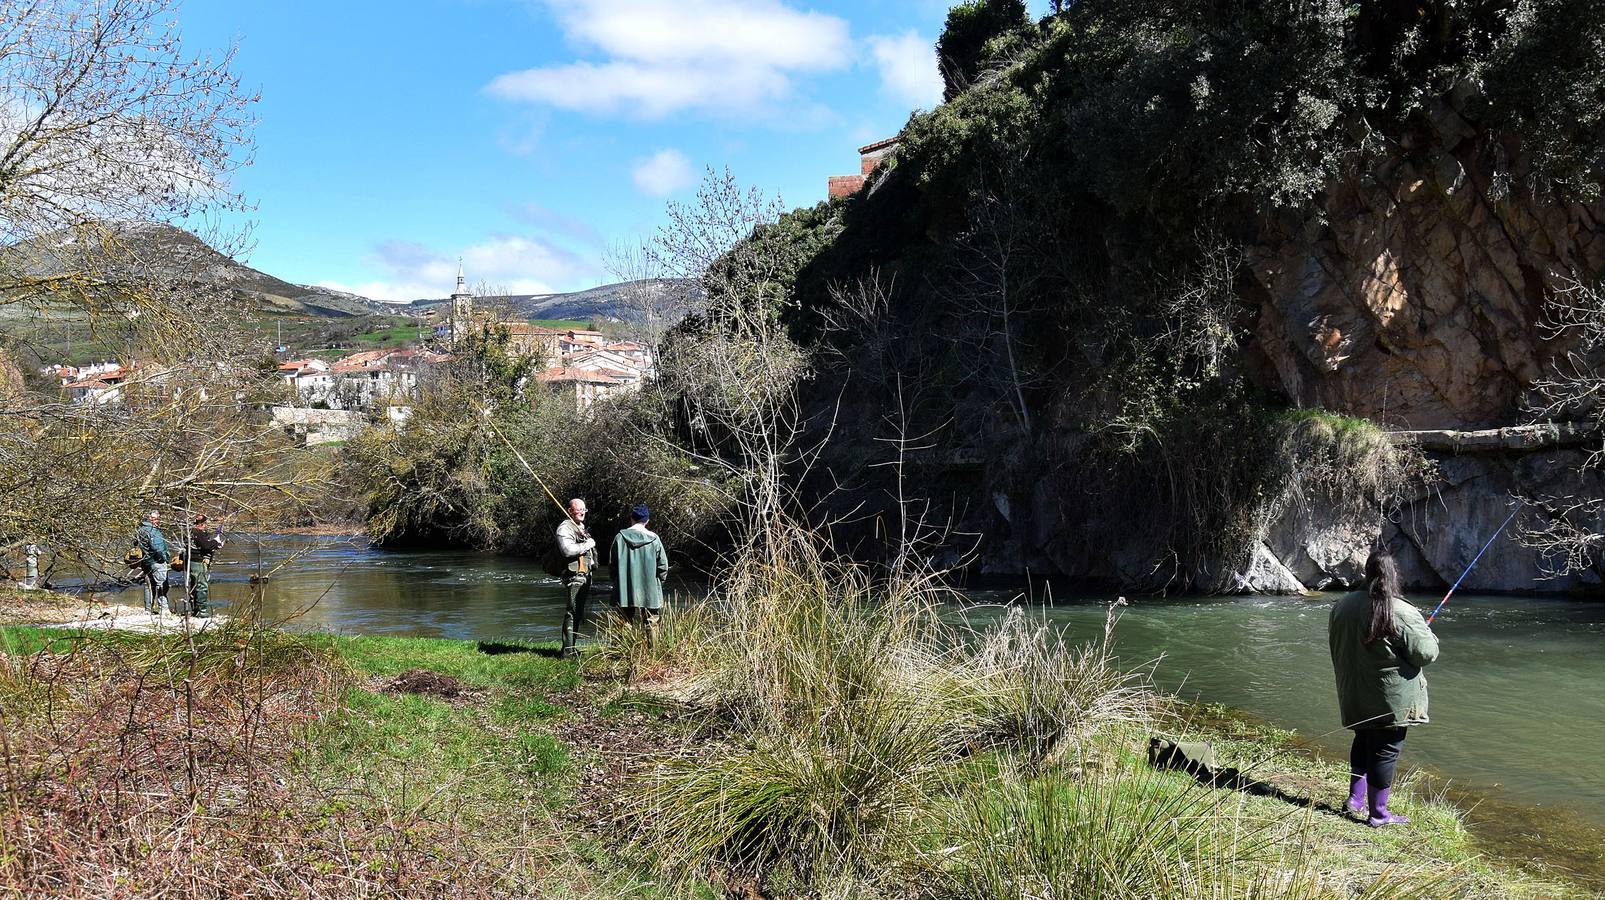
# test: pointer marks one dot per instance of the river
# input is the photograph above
(1518, 697)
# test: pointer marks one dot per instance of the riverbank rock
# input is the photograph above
(1267, 575)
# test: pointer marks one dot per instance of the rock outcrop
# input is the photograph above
(1416, 299)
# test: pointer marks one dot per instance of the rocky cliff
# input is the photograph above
(1119, 267)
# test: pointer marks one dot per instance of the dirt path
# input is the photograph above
(88, 612)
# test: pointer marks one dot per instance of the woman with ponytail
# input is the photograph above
(1379, 645)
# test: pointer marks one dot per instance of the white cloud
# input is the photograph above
(513, 264)
(723, 57)
(663, 173)
(907, 64)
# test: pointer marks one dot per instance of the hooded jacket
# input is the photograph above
(149, 538)
(639, 566)
(1380, 685)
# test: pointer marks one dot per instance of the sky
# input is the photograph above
(529, 136)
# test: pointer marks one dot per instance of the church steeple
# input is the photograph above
(462, 305)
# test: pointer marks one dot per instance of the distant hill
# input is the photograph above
(608, 302)
(165, 248)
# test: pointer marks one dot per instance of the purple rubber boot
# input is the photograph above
(1380, 817)
(1357, 794)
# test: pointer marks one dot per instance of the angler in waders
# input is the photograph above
(578, 548)
(1380, 643)
(203, 545)
(639, 566)
(153, 562)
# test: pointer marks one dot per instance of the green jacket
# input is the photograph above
(1380, 685)
(639, 566)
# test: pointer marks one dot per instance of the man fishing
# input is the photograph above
(639, 566)
(579, 549)
(203, 546)
(153, 561)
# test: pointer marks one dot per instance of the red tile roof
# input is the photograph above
(564, 373)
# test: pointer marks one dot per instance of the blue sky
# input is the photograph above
(529, 135)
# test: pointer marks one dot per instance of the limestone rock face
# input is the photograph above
(1267, 575)
(1322, 553)
(1441, 533)
(1414, 300)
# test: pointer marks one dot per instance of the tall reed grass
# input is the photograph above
(871, 747)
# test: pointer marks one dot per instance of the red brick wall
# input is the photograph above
(845, 185)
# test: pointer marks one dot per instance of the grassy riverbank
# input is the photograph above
(252, 762)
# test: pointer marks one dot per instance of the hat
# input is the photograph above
(641, 513)
(200, 519)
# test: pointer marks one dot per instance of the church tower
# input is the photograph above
(462, 306)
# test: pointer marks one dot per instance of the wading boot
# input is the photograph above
(1357, 794)
(1380, 817)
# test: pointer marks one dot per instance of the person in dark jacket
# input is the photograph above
(153, 561)
(203, 546)
(639, 566)
(1379, 643)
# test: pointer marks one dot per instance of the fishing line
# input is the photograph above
(1474, 559)
(538, 479)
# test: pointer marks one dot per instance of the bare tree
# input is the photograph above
(1567, 530)
(109, 128)
(737, 373)
(106, 122)
(694, 243)
(995, 275)
(654, 299)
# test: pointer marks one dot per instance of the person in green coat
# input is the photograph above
(639, 566)
(1379, 643)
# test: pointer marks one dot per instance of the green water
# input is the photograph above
(1518, 697)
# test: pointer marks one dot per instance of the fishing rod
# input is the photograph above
(1474, 559)
(538, 479)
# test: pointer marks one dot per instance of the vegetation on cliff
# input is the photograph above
(1058, 263)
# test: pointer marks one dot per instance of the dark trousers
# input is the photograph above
(579, 594)
(200, 585)
(644, 619)
(1375, 755)
(155, 585)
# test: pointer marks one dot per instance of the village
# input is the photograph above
(326, 400)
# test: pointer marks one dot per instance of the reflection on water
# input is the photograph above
(1518, 698)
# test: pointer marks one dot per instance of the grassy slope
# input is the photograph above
(487, 761)
(496, 755)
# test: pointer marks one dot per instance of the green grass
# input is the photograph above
(1437, 830)
(833, 779)
(563, 324)
(394, 336)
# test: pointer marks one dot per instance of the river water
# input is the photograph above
(1518, 696)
